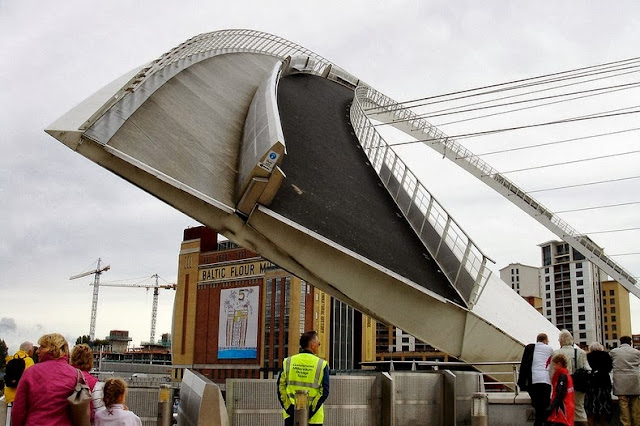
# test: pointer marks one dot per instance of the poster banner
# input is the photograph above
(238, 323)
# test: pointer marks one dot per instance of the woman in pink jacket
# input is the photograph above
(41, 397)
(82, 359)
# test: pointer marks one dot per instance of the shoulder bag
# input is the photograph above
(581, 377)
(79, 402)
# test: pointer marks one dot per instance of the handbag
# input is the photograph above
(581, 377)
(79, 402)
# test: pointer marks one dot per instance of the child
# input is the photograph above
(562, 405)
(116, 412)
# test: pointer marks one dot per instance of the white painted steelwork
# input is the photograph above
(385, 109)
(199, 48)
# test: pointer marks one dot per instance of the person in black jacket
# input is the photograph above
(524, 376)
(597, 401)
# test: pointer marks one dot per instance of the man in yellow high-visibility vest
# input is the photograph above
(304, 371)
(25, 353)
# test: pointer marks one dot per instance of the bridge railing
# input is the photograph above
(387, 110)
(410, 195)
(502, 375)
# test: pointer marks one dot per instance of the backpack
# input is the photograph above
(13, 372)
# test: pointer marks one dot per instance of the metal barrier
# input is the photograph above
(501, 375)
(201, 402)
(5, 412)
(352, 400)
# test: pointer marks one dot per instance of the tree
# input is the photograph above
(100, 342)
(4, 351)
(83, 339)
(93, 344)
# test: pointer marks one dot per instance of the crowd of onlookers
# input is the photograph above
(574, 386)
(37, 392)
(567, 386)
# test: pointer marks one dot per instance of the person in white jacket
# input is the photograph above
(116, 413)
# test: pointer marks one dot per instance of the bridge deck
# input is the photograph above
(351, 206)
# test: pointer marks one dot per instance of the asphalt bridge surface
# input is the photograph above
(331, 189)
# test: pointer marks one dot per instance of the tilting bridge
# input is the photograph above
(276, 148)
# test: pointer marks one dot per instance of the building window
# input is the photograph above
(604, 301)
(546, 255)
(580, 317)
(604, 292)
(613, 309)
(548, 295)
(546, 270)
(580, 308)
(580, 299)
(579, 265)
(583, 335)
(615, 335)
(613, 318)
(579, 282)
(548, 304)
(611, 293)
(582, 326)
(548, 313)
(614, 327)
(547, 287)
(604, 310)
(581, 291)
(577, 255)
(546, 279)
(612, 301)
(578, 273)
(606, 327)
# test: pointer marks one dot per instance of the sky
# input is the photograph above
(59, 212)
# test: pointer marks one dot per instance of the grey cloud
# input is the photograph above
(7, 325)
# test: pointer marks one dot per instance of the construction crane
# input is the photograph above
(94, 304)
(154, 311)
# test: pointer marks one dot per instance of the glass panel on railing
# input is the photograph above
(398, 169)
(410, 183)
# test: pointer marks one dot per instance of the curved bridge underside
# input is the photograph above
(181, 135)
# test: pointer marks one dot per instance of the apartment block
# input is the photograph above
(571, 292)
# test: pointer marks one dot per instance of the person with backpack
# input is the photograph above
(15, 366)
(41, 398)
(534, 376)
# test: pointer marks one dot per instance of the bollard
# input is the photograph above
(479, 409)
(165, 406)
(301, 412)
